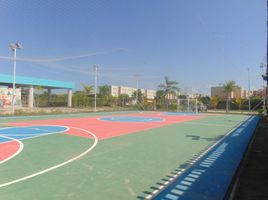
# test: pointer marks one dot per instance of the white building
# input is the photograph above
(150, 94)
(126, 90)
(114, 90)
(117, 90)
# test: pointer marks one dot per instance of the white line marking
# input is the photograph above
(186, 183)
(17, 152)
(182, 187)
(194, 172)
(161, 187)
(149, 196)
(154, 192)
(189, 179)
(176, 191)
(207, 124)
(171, 196)
(204, 165)
(165, 183)
(193, 175)
(39, 135)
(59, 165)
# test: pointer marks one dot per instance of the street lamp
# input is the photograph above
(137, 86)
(14, 47)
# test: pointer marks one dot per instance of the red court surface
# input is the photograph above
(8, 149)
(108, 129)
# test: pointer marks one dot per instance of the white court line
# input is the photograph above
(39, 135)
(59, 165)
(17, 152)
(208, 124)
(36, 134)
(141, 117)
(203, 155)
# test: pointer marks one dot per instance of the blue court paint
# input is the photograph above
(131, 119)
(214, 177)
(2, 139)
(28, 132)
(180, 113)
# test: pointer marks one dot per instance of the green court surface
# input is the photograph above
(122, 167)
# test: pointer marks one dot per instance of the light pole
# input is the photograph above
(95, 68)
(14, 47)
(249, 103)
(137, 86)
(263, 66)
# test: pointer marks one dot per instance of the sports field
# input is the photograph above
(100, 156)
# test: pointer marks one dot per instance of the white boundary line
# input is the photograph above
(39, 135)
(59, 165)
(17, 152)
(162, 119)
(207, 124)
(201, 156)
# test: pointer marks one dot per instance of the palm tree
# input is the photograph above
(169, 88)
(239, 102)
(104, 90)
(214, 101)
(229, 87)
(87, 89)
(140, 95)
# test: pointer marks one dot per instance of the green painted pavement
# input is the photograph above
(41, 153)
(123, 167)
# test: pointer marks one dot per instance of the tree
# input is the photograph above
(104, 90)
(105, 98)
(206, 100)
(140, 95)
(39, 89)
(229, 87)
(239, 102)
(123, 99)
(214, 101)
(169, 88)
(159, 98)
(87, 89)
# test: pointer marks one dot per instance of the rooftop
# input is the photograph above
(26, 81)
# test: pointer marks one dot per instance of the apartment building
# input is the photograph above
(114, 90)
(239, 92)
(150, 94)
(117, 90)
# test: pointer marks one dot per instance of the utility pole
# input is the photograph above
(95, 68)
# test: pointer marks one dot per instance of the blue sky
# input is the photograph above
(197, 43)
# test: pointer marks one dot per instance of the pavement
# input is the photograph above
(252, 179)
